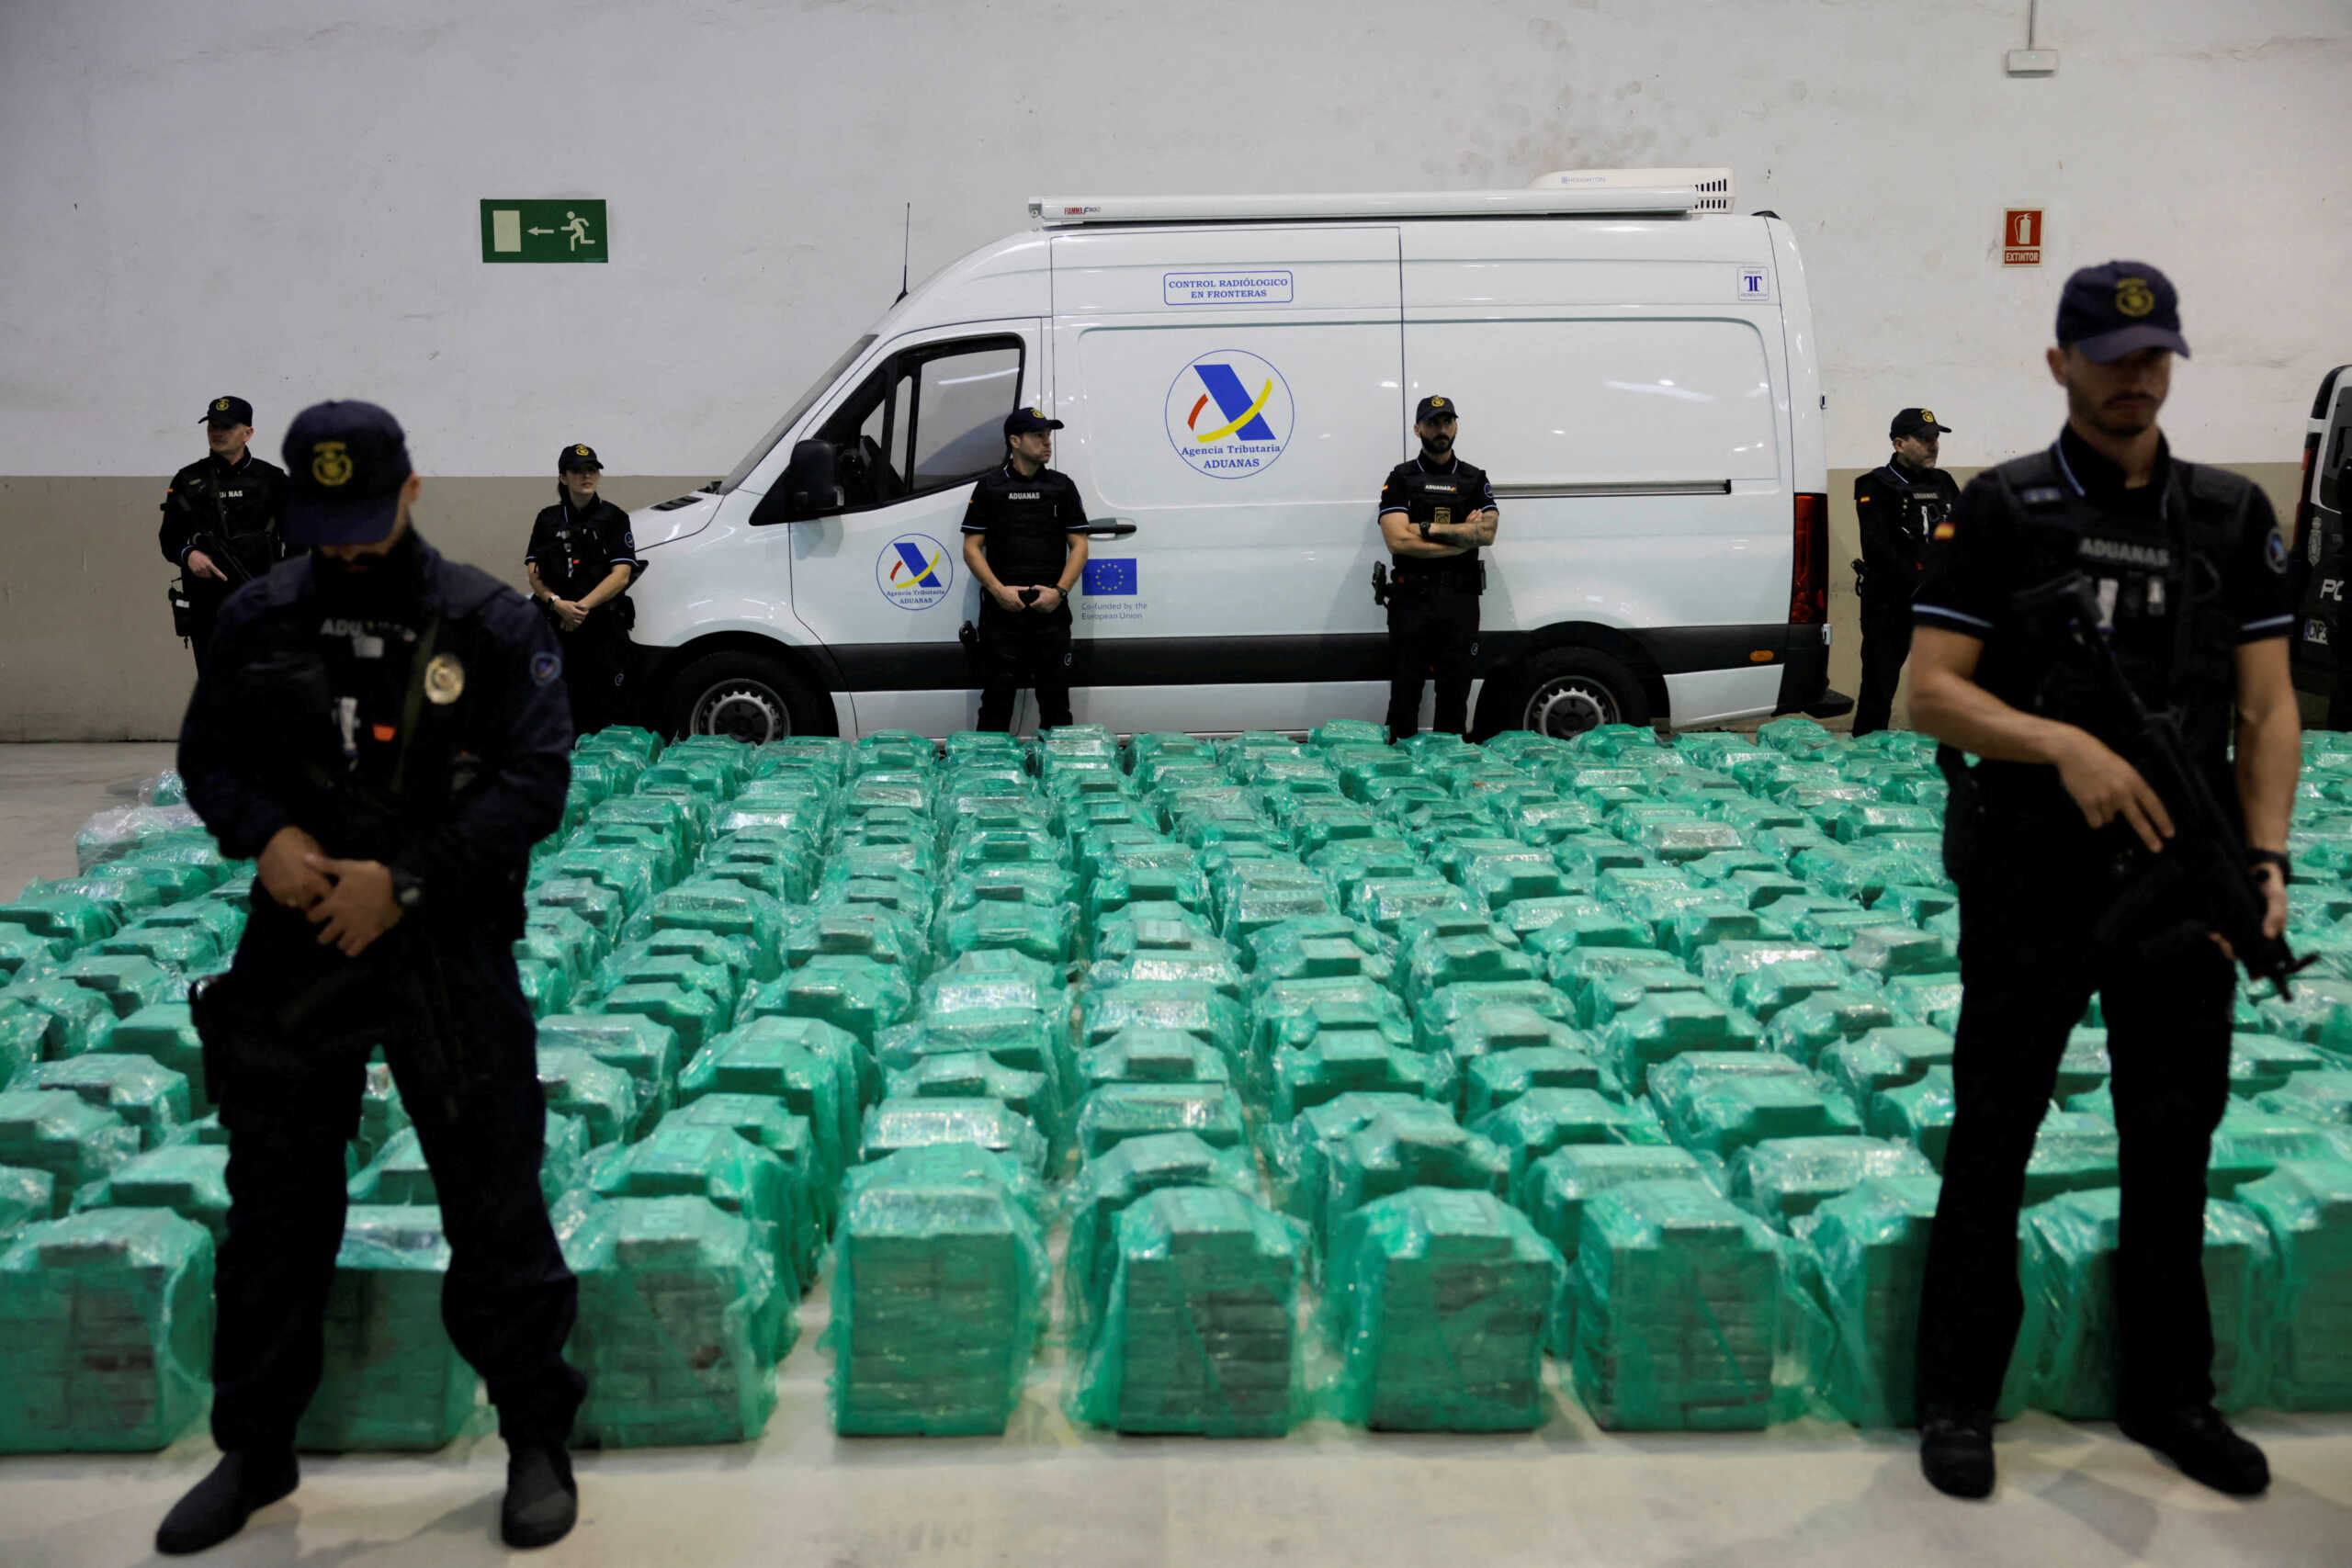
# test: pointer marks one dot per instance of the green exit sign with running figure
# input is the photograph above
(570, 230)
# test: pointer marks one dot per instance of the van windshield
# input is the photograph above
(766, 444)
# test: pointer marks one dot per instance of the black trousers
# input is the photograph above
(471, 1087)
(1432, 636)
(1886, 643)
(1024, 649)
(2029, 966)
(597, 663)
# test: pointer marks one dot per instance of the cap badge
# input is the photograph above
(221, 405)
(445, 680)
(329, 463)
(579, 451)
(1437, 402)
(1926, 416)
(2133, 296)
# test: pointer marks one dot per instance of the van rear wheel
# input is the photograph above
(744, 695)
(1567, 691)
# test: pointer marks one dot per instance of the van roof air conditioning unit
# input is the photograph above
(1713, 185)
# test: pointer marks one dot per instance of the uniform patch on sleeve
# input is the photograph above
(545, 667)
(2274, 550)
(1944, 530)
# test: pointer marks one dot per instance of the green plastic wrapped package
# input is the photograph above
(25, 1196)
(2260, 1063)
(787, 1060)
(1919, 1114)
(1341, 1061)
(1724, 1114)
(2068, 1274)
(1492, 1079)
(599, 905)
(1438, 1300)
(1543, 1120)
(2325, 1097)
(1291, 1015)
(1679, 1301)
(26, 955)
(1499, 1027)
(726, 908)
(992, 980)
(399, 1176)
(642, 964)
(694, 1016)
(22, 1034)
(2251, 1142)
(938, 1298)
(1803, 1032)
(392, 1380)
(1201, 1334)
(1885, 1059)
(899, 1124)
(576, 1084)
(76, 1019)
(1298, 1152)
(2306, 1206)
(106, 1332)
(1889, 952)
(1105, 1186)
(1443, 1011)
(861, 996)
(1609, 989)
(1118, 1111)
(382, 1117)
(1143, 1053)
(74, 916)
(1870, 1248)
(968, 1075)
(683, 1319)
(1666, 1025)
(75, 1142)
(1199, 1011)
(190, 1179)
(631, 874)
(1783, 1180)
(681, 1159)
(1389, 1154)
(766, 1122)
(1773, 988)
(1447, 961)
(151, 1097)
(1927, 999)
(1560, 1185)
(1048, 934)
(127, 983)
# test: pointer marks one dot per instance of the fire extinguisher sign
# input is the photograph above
(2023, 236)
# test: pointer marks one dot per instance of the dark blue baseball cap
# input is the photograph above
(2120, 308)
(1022, 422)
(344, 465)
(578, 455)
(228, 412)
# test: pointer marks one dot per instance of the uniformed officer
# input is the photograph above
(1025, 540)
(2053, 832)
(1435, 512)
(1897, 507)
(581, 560)
(386, 732)
(221, 521)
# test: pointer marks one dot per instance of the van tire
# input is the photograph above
(1566, 691)
(752, 696)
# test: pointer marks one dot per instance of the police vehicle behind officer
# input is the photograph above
(1024, 543)
(221, 521)
(581, 560)
(2057, 843)
(1896, 507)
(1435, 512)
(385, 732)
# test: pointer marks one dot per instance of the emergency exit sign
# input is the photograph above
(2021, 236)
(569, 229)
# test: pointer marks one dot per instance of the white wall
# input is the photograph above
(278, 197)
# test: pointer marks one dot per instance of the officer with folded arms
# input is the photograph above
(385, 732)
(1436, 511)
(1898, 507)
(581, 560)
(2057, 842)
(221, 521)
(1024, 543)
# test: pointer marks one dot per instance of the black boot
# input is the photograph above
(2201, 1443)
(217, 1507)
(1956, 1454)
(542, 1501)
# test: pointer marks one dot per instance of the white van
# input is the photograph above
(1638, 376)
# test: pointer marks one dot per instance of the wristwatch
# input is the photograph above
(408, 891)
(2273, 857)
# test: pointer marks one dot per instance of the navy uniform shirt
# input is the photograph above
(1896, 512)
(1024, 523)
(237, 503)
(1448, 495)
(576, 549)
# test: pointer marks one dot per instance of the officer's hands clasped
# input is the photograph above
(359, 906)
(2105, 787)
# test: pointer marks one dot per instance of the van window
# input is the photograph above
(1574, 404)
(927, 418)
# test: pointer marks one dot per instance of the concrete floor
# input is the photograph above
(1048, 1494)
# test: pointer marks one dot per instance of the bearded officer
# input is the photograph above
(220, 520)
(1436, 512)
(1025, 542)
(1897, 507)
(386, 732)
(2049, 839)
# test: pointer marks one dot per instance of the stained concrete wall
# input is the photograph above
(279, 199)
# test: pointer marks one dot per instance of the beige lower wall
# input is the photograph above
(87, 651)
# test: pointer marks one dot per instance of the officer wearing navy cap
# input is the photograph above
(1436, 511)
(221, 521)
(581, 560)
(1897, 507)
(385, 732)
(1024, 543)
(2055, 839)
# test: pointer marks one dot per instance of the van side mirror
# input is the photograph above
(807, 488)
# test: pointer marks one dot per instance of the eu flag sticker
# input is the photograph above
(1110, 579)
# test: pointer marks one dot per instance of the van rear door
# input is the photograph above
(2317, 534)
(1234, 394)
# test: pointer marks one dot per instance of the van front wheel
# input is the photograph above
(744, 695)
(1567, 691)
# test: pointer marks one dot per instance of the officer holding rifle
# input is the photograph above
(2098, 622)
(221, 521)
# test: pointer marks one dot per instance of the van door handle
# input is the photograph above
(1108, 528)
